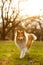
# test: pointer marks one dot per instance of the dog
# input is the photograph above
(23, 41)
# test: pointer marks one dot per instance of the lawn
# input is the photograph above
(9, 54)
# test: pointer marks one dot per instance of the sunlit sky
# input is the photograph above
(28, 7)
(32, 7)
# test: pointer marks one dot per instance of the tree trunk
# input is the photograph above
(12, 33)
(3, 31)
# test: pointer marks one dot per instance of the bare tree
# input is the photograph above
(9, 19)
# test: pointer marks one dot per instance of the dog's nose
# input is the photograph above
(21, 38)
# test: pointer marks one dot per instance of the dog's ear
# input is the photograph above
(18, 32)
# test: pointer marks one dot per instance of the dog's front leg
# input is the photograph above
(23, 52)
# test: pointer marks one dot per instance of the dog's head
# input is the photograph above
(20, 38)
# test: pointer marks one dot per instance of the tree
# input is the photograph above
(34, 25)
(9, 19)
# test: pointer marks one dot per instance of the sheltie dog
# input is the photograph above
(23, 41)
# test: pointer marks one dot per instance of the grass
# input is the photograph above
(9, 54)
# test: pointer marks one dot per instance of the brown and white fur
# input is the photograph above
(23, 41)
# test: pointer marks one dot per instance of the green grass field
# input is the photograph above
(9, 54)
